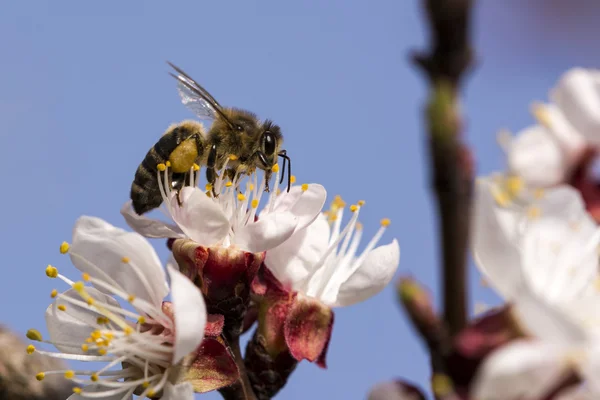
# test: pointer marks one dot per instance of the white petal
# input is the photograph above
(181, 391)
(537, 158)
(96, 242)
(570, 140)
(190, 314)
(148, 227)
(293, 260)
(524, 369)
(266, 233)
(199, 217)
(560, 258)
(306, 205)
(492, 241)
(540, 319)
(75, 324)
(373, 275)
(577, 94)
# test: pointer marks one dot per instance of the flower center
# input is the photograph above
(340, 260)
(142, 342)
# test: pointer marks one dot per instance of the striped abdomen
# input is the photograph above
(145, 192)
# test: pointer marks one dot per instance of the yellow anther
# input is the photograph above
(196, 167)
(85, 276)
(304, 187)
(34, 334)
(88, 340)
(30, 349)
(254, 203)
(130, 298)
(77, 390)
(233, 157)
(51, 272)
(141, 320)
(62, 307)
(128, 330)
(514, 185)
(250, 186)
(361, 203)
(102, 352)
(275, 168)
(85, 347)
(538, 193)
(338, 202)
(359, 226)
(40, 376)
(208, 187)
(101, 342)
(229, 184)
(78, 286)
(102, 320)
(208, 193)
(533, 212)
(502, 198)
(108, 335)
(125, 259)
(541, 114)
(150, 393)
(385, 222)
(95, 335)
(70, 374)
(64, 247)
(90, 301)
(54, 293)
(146, 384)
(168, 164)
(241, 197)
(353, 207)
(94, 377)
(161, 167)
(293, 179)
(278, 191)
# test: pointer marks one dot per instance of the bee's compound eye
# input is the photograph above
(268, 143)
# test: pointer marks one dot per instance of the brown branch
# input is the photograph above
(242, 389)
(452, 171)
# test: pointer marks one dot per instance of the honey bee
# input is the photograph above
(236, 138)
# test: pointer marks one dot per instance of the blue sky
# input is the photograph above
(85, 92)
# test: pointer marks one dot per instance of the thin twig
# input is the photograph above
(452, 171)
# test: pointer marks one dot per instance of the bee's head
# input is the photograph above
(270, 141)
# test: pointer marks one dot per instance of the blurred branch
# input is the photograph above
(241, 390)
(452, 171)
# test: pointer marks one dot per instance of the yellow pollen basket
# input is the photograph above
(64, 247)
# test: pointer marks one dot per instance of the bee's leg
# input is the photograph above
(178, 181)
(211, 174)
(263, 160)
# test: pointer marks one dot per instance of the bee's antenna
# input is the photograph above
(283, 154)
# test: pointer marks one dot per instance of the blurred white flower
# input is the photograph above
(229, 219)
(321, 261)
(86, 323)
(545, 264)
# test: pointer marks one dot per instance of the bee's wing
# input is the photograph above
(196, 98)
(196, 103)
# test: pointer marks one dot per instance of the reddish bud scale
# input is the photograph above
(224, 276)
(582, 178)
(213, 367)
(289, 321)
